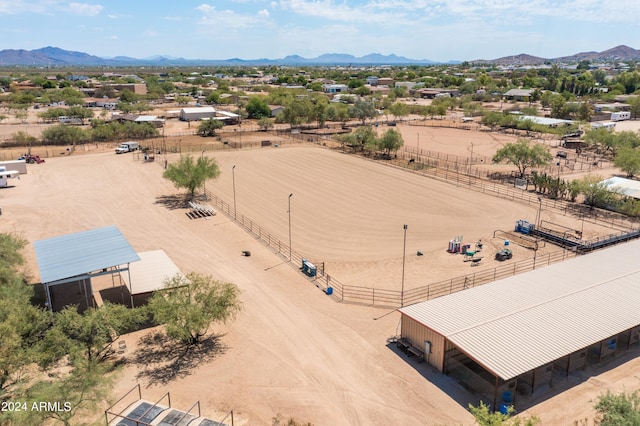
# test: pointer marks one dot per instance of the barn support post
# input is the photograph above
(130, 284)
(49, 300)
(86, 296)
(533, 381)
(495, 394)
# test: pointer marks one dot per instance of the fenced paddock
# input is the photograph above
(347, 214)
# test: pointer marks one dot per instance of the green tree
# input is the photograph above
(183, 100)
(485, 417)
(597, 192)
(63, 135)
(627, 159)
(618, 409)
(209, 127)
(190, 174)
(634, 106)
(128, 96)
(265, 124)
(80, 112)
(257, 107)
(391, 140)
(296, 112)
(399, 109)
(523, 154)
(79, 390)
(187, 306)
(363, 110)
(21, 324)
(89, 336)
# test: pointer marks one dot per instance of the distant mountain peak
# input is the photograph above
(55, 56)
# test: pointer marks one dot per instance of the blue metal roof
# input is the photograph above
(81, 253)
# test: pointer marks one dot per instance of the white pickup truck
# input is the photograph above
(127, 147)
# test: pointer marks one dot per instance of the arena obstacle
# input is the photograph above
(200, 210)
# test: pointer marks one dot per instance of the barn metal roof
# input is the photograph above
(522, 322)
(150, 273)
(82, 252)
(628, 187)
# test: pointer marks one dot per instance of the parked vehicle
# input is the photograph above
(127, 147)
(504, 254)
(620, 115)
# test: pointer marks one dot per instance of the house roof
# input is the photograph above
(519, 92)
(76, 254)
(198, 110)
(522, 322)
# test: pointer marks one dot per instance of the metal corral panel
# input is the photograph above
(522, 322)
(150, 273)
(83, 252)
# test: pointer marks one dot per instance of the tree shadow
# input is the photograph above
(173, 202)
(163, 359)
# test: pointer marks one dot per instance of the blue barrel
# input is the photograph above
(506, 242)
(504, 409)
(507, 396)
(329, 290)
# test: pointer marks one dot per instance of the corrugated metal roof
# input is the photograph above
(522, 322)
(150, 273)
(83, 252)
(630, 188)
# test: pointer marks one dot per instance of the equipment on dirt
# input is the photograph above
(504, 254)
(31, 159)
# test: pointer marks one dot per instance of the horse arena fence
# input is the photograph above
(450, 171)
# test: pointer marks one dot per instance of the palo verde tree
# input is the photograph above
(79, 390)
(627, 159)
(22, 324)
(190, 174)
(485, 417)
(618, 409)
(89, 337)
(524, 154)
(391, 140)
(209, 127)
(187, 306)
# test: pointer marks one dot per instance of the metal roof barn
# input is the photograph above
(519, 324)
(75, 258)
(83, 252)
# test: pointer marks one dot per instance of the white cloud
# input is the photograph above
(151, 33)
(85, 9)
(228, 18)
(172, 18)
(331, 10)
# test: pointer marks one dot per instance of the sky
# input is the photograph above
(437, 30)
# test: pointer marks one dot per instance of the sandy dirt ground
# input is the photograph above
(293, 350)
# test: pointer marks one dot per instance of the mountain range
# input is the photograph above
(56, 57)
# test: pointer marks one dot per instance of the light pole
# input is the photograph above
(289, 211)
(233, 175)
(539, 209)
(471, 158)
(404, 252)
(418, 143)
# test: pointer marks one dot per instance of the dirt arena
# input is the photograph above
(292, 350)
